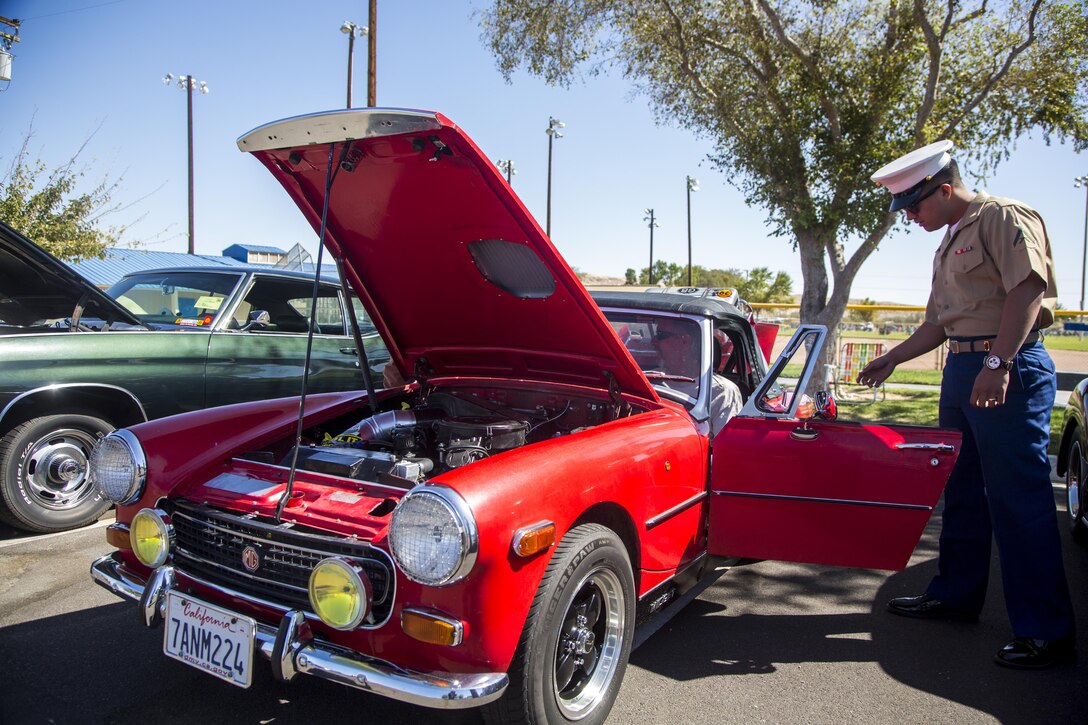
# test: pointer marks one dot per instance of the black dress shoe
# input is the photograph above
(1024, 653)
(926, 607)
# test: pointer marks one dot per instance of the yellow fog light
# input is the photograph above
(431, 628)
(340, 593)
(152, 536)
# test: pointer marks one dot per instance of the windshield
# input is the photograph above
(668, 350)
(187, 299)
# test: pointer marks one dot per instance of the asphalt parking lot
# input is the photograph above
(768, 642)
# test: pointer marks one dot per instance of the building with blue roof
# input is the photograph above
(120, 261)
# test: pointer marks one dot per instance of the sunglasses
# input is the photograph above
(913, 208)
(663, 335)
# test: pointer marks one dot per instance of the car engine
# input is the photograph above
(445, 432)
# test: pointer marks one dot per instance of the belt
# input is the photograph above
(984, 344)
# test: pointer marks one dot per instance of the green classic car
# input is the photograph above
(76, 363)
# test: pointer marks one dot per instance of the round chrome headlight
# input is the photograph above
(433, 536)
(118, 467)
(340, 593)
(152, 536)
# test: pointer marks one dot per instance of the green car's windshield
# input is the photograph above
(188, 299)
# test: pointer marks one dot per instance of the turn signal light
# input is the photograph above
(431, 628)
(117, 536)
(532, 539)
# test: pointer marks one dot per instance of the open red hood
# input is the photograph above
(457, 276)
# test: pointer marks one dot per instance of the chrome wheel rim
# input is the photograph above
(55, 469)
(588, 645)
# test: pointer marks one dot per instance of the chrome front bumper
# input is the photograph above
(291, 650)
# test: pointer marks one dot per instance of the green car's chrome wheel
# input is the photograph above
(45, 484)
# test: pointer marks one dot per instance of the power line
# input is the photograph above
(73, 10)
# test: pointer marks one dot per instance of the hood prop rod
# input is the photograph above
(330, 175)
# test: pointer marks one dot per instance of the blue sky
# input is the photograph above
(95, 64)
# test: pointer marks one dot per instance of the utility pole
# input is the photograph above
(1077, 183)
(553, 133)
(6, 41)
(506, 166)
(693, 185)
(352, 30)
(372, 57)
(652, 221)
(187, 84)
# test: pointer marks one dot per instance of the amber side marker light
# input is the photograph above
(529, 540)
(117, 536)
(431, 628)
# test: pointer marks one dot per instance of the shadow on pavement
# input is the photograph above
(101, 666)
(945, 659)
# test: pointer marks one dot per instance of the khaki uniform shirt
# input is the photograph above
(997, 245)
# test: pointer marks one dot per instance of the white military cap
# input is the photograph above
(906, 176)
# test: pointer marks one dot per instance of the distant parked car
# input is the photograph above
(1073, 462)
(76, 363)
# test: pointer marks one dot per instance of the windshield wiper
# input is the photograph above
(656, 375)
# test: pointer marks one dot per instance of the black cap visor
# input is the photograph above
(906, 198)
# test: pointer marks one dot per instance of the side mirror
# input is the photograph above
(825, 405)
(822, 407)
(258, 319)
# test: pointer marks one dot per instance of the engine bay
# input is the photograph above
(441, 431)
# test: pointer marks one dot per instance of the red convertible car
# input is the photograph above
(492, 532)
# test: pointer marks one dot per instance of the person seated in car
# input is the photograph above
(678, 344)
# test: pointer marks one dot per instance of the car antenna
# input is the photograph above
(330, 176)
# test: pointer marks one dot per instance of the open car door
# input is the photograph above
(816, 490)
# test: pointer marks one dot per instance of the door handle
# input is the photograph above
(348, 350)
(943, 447)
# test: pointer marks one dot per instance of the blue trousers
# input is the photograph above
(1000, 487)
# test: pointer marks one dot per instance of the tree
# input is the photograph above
(761, 285)
(757, 285)
(669, 274)
(865, 315)
(630, 277)
(803, 100)
(46, 206)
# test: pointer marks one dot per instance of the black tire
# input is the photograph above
(1076, 493)
(45, 484)
(574, 648)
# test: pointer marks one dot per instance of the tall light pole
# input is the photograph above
(1077, 183)
(187, 84)
(352, 30)
(553, 124)
(372, 56)
(693, 185)
(506, 166)
(652, 223)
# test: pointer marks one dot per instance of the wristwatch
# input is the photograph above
(994, 362)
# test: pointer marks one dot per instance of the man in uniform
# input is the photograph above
(993, 289)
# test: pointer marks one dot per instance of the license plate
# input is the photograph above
(209, 638)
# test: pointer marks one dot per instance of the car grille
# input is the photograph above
(210, 544)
